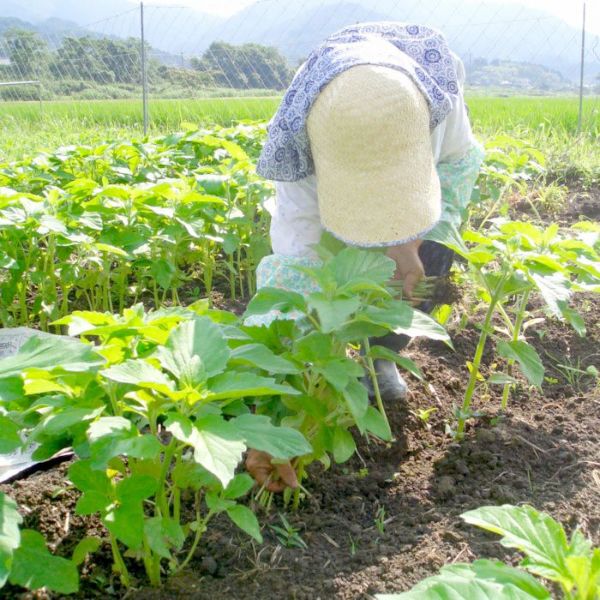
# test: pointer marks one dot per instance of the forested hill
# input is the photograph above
(492, 30)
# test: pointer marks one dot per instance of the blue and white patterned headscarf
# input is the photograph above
(420, 52)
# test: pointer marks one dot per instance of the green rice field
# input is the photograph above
(30, 127)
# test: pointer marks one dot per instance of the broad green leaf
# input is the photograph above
(216, 502)
(580, 544)
(126, 522)
(11, 389)
(246, 520)
(63, 420)
(554, 290)
(501, 379)
(334, 313)
(50, 352)
(231, 385)
(9, 436)
(98, 492)
(528, 359)
(315, 346)
(481, 580)
(141, 373)
(532, 233)
(401, 318)
(115, 436)
(267, 299)
(239, 486)
(136, 488)
(534, 533)
(214, 441)
(163, 534)
(376, 424)
(353, 263)
(260, 356)
(339, 372)
(491, 570)
(195, 351)
(357, 401)
(401, 361)
(34, 567)
(109, 249)
(344, 445)
(192, 475)
(573, 318)
(10, 536)
(446, 233)
(85, 546)
(280, 442)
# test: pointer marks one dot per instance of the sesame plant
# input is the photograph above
(508, 263)
(316, 332)
(102, 228)
(571, 564)
(154, 412)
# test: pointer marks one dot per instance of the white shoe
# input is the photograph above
(391, 384)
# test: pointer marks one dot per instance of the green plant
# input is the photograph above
(380, 520)
(25, 559)
(573, 370)
(507, 264)
(425, 414)
(549, 198)
(155, 412)
(103, 227)
(288, 535)
(352, 305)
(572, 564)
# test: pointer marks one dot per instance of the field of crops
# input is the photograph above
(29, 127)
(142, 254)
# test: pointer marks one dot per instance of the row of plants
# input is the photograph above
(162, 405)
(104, 227)
(159, 406)
(165, 403)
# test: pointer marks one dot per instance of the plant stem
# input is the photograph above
(516, 333)
(373, 375)
(300, 474)
(120, 567)
(162, 502)
(466, 405)
(201, 528)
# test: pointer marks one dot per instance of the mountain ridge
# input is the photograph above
(474, 30)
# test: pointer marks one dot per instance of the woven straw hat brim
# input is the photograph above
(376, 179)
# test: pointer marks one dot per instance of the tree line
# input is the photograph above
(118, 61)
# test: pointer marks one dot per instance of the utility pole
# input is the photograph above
(144, 72)
(580, 117)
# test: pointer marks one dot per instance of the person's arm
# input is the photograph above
(458, 156)
(295, 229)
(295, 222)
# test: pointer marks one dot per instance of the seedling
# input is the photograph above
(380, 520)
(509, 263)
(287, 535)
(425, 414)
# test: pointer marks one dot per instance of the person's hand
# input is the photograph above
(409, 267)
(274, 476)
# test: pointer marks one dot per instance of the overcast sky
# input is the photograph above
(569, 10)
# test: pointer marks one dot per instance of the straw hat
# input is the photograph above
(370, 140)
